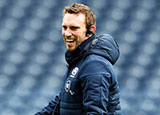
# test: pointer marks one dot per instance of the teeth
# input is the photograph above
(69, 40)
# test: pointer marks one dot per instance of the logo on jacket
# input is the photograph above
(68, 82)
(68, 86)
(74, 72)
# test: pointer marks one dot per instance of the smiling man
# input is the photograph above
(91, 85)
(74, 29)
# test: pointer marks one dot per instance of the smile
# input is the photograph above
(69, 40)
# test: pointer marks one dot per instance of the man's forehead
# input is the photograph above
(79, 18)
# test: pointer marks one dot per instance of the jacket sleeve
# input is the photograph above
(95, 82)
(53, 106)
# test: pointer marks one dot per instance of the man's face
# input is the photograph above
(73, 30)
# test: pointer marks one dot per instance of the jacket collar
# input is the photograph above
(73, 57)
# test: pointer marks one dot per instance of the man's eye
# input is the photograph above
(64, 27)
(74, 28)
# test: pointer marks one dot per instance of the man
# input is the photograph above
(90, 86)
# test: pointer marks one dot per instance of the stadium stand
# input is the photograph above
(32, 51)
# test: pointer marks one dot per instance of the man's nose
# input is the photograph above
(67, 33)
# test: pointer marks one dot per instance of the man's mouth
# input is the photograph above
(70, 40)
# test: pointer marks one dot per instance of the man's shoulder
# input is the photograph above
(95, 65)
(96, 58)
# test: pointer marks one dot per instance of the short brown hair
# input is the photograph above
(77, 8)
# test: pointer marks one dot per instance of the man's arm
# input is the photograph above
(53, 106)
(96, 78)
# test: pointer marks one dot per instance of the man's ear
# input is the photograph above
(93, 28)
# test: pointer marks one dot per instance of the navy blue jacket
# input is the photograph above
(91, 86)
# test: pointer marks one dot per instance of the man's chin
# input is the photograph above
(70, 49)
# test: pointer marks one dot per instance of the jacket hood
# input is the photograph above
(104, 45)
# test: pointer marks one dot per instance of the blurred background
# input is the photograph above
(32, 51)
